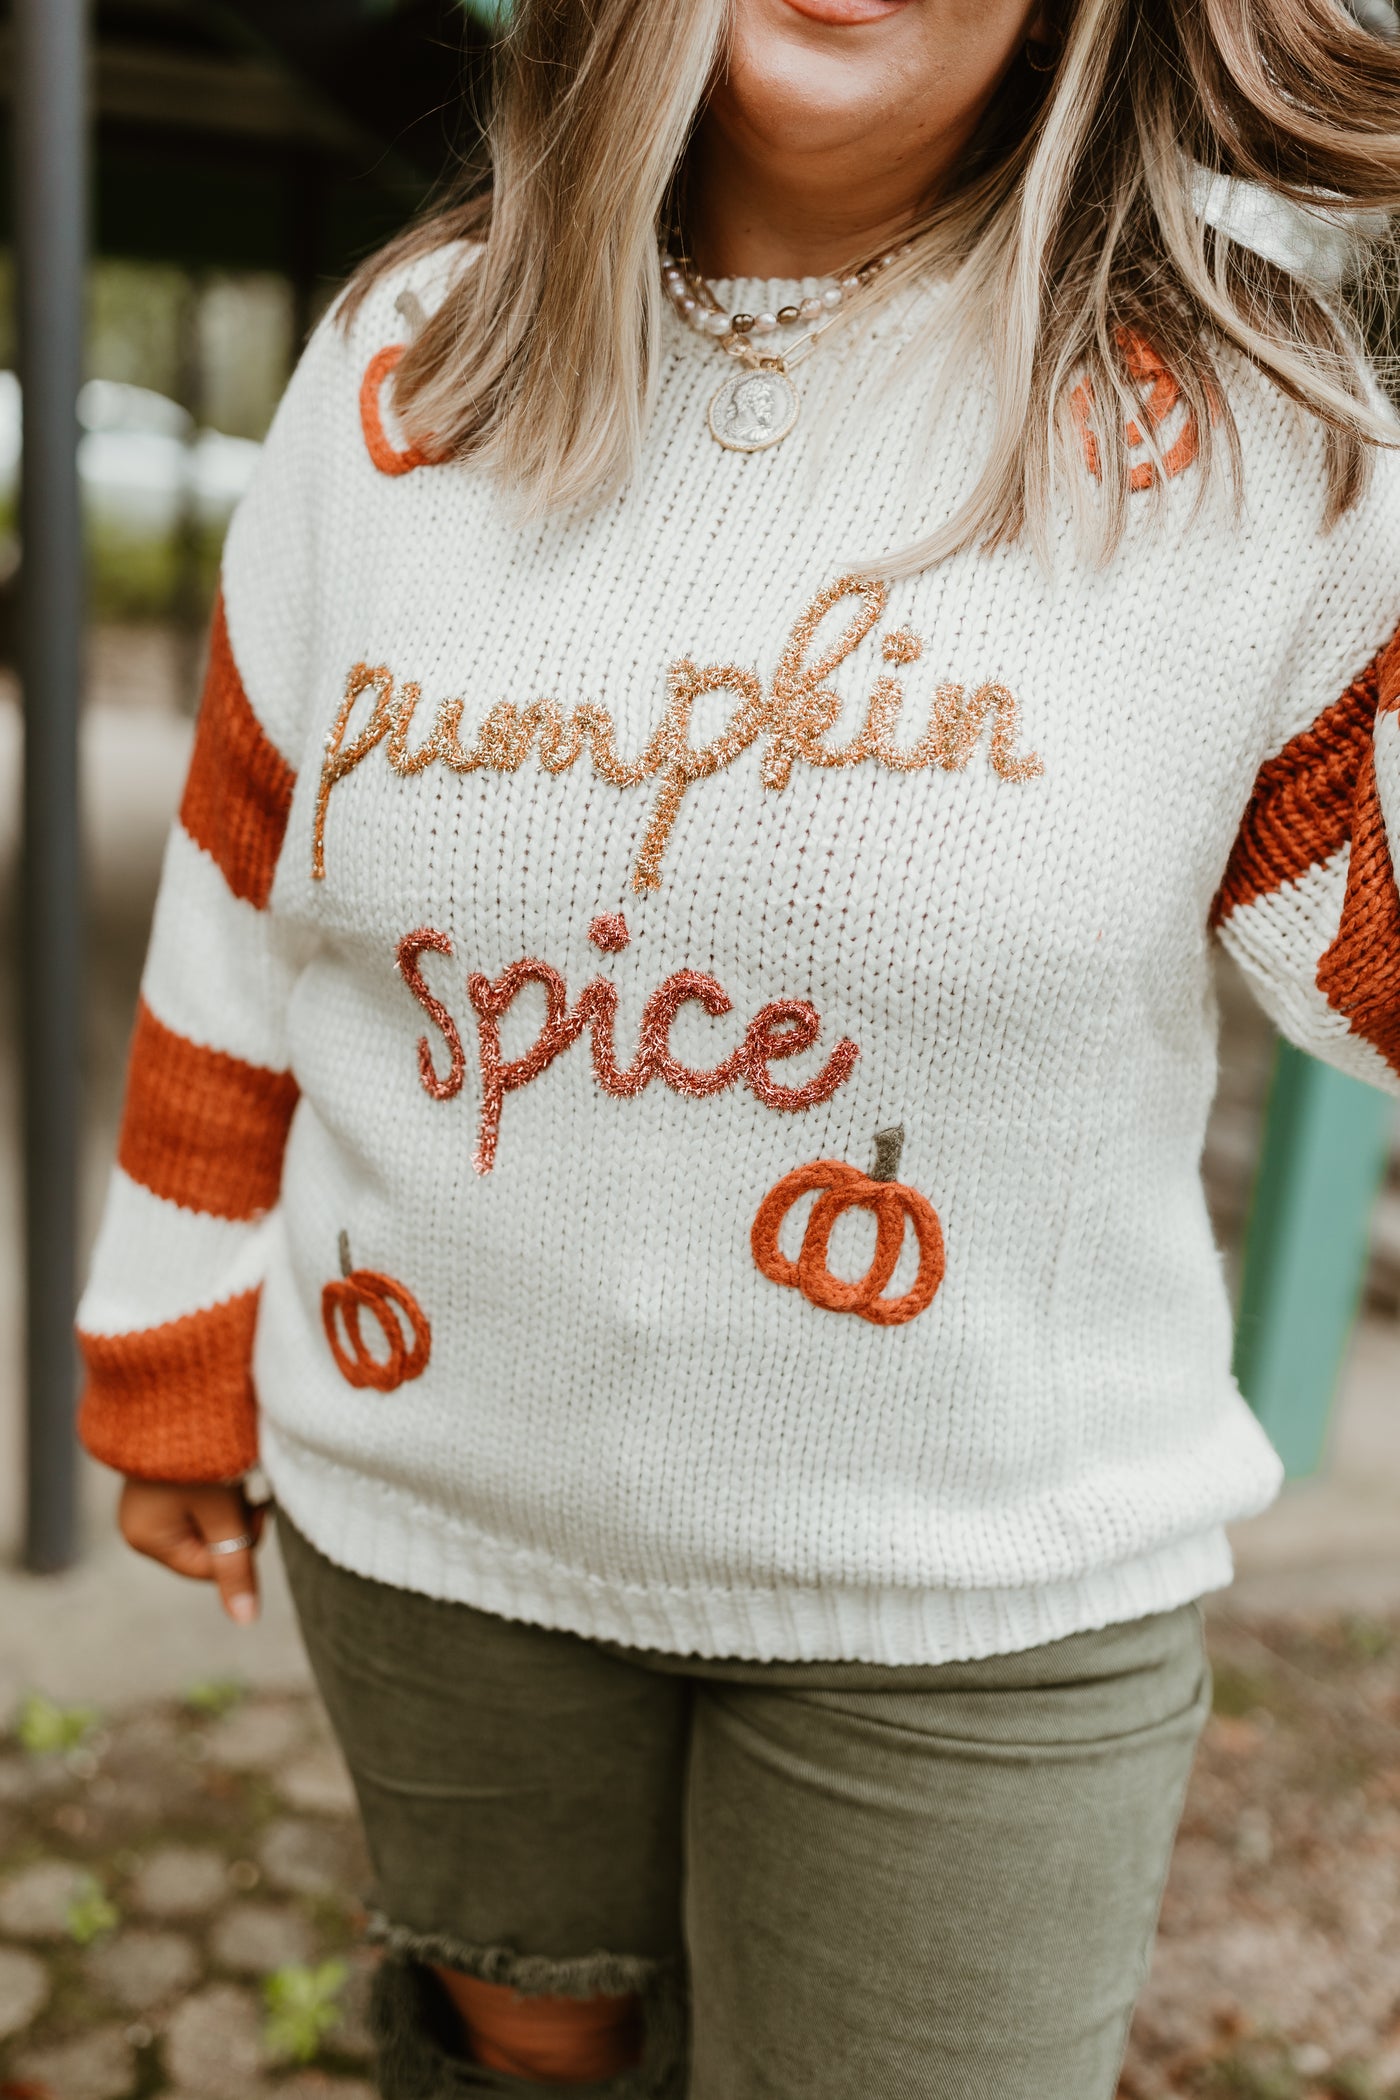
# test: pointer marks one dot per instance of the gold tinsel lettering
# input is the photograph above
(790, 721)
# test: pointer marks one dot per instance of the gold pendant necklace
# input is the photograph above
(756, 407)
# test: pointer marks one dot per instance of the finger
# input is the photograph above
(156, 1520)
(237, 1579)
(223, 1516)
(177, 1525)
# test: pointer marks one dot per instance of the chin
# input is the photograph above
(812, 75)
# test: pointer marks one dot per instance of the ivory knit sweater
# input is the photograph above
(545, 898)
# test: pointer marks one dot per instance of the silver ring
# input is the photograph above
(238, 1545)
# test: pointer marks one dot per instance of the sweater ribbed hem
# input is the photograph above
(366, 1526)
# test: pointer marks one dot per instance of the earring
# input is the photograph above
(1055, 50)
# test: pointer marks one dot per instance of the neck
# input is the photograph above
(752, 214)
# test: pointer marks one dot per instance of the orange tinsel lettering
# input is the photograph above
(409, 949)
(780, 1030)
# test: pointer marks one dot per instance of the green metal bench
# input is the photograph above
(1326, 1145)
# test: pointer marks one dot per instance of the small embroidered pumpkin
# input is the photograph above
(843, 1187)
(386, 457)
(401, 1320)
(1161, 394)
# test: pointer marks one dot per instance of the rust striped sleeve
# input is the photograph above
(201, 1128)
(1310, 891)
(174, 1401)
(167, 1324)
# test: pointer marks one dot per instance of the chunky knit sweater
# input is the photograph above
(669, 1084)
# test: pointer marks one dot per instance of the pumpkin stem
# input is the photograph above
(889, 1144)
(345, 1262)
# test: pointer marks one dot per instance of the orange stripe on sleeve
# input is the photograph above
(201, 1128)
(1359, 975)
(1388, 676)
(1317, 796)
(239, 789)
(1301, 811)
(174, 1402)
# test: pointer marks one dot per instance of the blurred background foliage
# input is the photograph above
(246, 155)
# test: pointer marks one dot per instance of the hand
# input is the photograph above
(176, 1523)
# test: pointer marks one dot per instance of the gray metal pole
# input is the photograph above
(49, 97)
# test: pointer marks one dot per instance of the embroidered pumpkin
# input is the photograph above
(396, 1312)
(386, 457)
(1160, 396)
(843, 1187)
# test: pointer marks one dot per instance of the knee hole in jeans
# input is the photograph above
(567, 2041)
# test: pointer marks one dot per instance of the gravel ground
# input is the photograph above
(179, 1916)
(1276, 1974)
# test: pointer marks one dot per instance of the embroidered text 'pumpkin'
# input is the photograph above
(843, 1187)
(789, 719)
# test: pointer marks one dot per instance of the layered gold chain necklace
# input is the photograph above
(757, 405)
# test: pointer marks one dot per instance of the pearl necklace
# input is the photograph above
(758, 405)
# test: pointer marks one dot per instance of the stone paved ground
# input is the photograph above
(178, 1905)
(178, 1893)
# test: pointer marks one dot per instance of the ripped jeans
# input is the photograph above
(827, 1881)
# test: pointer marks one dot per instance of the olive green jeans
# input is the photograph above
(827, 1881)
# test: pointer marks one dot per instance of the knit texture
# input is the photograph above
(559, 914)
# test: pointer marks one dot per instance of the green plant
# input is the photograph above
(302, 2009)
(214, 1695)
(1353, 2081)
(46, 1729)
(1369, 1639)
(91, 1912)
(135, 574)
(1273, 2077)
(1237, 1693)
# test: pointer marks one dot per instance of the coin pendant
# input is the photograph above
(753, 410)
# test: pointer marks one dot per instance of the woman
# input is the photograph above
(678, 1030)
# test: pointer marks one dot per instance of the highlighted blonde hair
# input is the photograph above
(1079, 219)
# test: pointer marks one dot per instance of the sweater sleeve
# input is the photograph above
(166, 1323)
(1309, 906)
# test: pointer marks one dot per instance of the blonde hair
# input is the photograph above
(1077, 220)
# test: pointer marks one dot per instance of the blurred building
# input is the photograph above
(247, 153)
